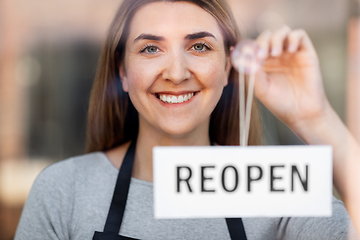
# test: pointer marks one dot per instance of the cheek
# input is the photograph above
(212, 73)
(140, 76)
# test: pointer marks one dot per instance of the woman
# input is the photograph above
(165, 78)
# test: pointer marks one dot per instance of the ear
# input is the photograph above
(228, 66)
(123, 78)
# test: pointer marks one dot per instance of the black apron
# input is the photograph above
(118, 203)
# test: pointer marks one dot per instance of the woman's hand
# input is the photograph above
(289, 82)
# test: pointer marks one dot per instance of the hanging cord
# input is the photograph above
(249, 99)
(242, 102)
(244, 58)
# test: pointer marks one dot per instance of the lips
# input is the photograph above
(173, 99)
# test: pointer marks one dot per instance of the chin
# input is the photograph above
(176, 128)
(177, 133)
(185, 132)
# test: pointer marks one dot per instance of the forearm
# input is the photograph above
(330, 130)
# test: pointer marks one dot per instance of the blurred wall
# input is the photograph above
(48, 56)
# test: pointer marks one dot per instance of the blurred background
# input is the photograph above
(48, 56)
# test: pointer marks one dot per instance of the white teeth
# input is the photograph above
(176, 99)
(163, 98)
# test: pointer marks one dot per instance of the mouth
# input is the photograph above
(173, 99)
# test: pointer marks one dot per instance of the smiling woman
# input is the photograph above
(149, 40)
(165, 79)
(163, 59)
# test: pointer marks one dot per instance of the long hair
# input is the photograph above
(112, 118)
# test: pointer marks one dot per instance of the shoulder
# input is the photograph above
(59, 181)
(57, 193)
(69, 169)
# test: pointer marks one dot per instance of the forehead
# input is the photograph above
(173, 18)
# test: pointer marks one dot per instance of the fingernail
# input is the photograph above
(275, 52)
(291, 48)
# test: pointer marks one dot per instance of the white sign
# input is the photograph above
(232, 181)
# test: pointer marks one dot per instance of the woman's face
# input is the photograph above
(175, 67)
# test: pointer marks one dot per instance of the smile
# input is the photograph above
(168, 98)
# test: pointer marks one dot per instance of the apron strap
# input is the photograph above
(118, 203)
(110, 236)
(236, 228)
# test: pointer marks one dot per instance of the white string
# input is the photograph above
(245, 114)
(250, 98)
(242, 103)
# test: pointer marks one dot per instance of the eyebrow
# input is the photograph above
(149, 37)
(191, 36)
(198, 35)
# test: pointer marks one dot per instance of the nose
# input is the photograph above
(176, 69)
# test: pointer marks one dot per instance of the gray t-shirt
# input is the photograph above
(70, 200)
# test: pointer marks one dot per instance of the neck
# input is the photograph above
(147, 139)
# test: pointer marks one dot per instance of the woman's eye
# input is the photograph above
(200, 47)
(150, 49)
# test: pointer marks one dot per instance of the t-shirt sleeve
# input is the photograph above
(48, 208)
(336, 227)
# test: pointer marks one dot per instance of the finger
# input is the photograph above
(298, 39)
(294, 39)
(278, 40)
(263, 42)
(306, 43)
